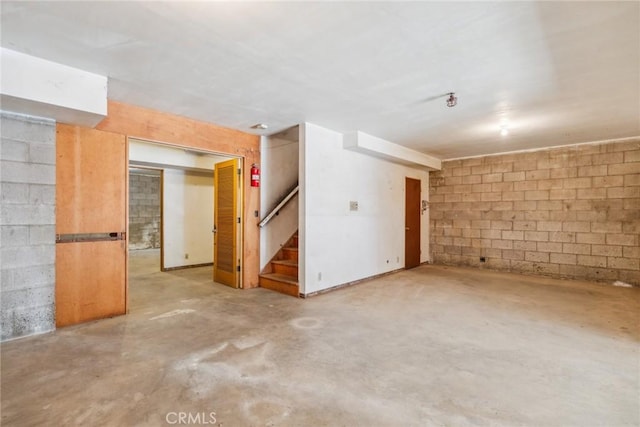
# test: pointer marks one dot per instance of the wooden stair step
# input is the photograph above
(290, 253)
(280, 283)
(288, 267)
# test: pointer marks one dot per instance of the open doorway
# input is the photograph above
(171, 222)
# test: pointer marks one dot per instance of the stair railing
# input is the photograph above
(279, 206)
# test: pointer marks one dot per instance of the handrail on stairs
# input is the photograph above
(280, 205)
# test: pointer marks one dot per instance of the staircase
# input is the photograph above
(281, 275)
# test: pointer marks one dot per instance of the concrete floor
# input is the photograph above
(431, 346)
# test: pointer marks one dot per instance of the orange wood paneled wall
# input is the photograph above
(91, 174)
(156, 126)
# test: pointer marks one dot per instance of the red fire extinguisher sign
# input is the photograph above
(255, 175)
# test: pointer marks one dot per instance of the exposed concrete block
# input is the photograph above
(581, 226)
(20, 299)
(27, 214)
(564, 172)
(525, 185)
(42, 153)
(538, 236)
(548, 184)
(536, 175)
(622, 239)
(27, 321)
(29, 276)
(471, 179)
(461, 171)
(14, 193)
(525, 165)
(606, 250)
(491, 197)
(16, 151)
(588, 213)
(27, 173)
(592, 193)
(564, 216)
(28, 218)
(537, 256)
(42, 234)
(630, 276)
(555, 258)
(525, 225)
(549, 225)
(512, 235)
(562, 194)
(471, 233)
(631, 252)
(24, 256)
(591, 238)
(606, 227)
(514, 176)
(462, 188)
(541, 215)
(536, 195)
(502, 186)
(525, 206)
(502, 167)
(451, 198)
(513, 196)
(562, 236)
(491, 178)
(575, 248)
(631, 156)
(552, 205)
(461, 241)
(513, 255)
(592, 261)
(14, 235)
(502, 244)
(27, 129)
(623, 263)
(624, 168)
(472, 197)
(501, 225)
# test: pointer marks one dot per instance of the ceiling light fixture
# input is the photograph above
(260, 126)
(504, 131)
(452, 100)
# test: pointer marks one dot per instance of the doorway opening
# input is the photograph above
(412, 223)
(172, 201)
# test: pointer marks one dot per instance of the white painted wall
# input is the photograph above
(38, 87)
(279, 173)
(144, 153)
(187, 199)
(188, 217)
(337, 245)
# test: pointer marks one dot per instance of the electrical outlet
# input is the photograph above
(353, 205)
(186, 256)
(319, 277)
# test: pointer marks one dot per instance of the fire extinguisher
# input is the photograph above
(255, 175)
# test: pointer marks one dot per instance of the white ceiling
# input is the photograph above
(558, 72)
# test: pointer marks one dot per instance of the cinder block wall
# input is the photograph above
(27, 263)
(567, 212)
(144, 211)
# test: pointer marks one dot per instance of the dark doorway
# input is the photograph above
(412, 223)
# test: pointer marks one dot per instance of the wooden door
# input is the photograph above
(412, 223)
(226, 223)
(91, 223)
